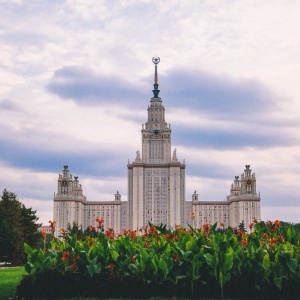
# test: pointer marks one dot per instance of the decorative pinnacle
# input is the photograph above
(156, 91)
(156, 61)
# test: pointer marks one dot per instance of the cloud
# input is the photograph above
(7, 104)
(218, 95)
(206, 92)
(87, 87)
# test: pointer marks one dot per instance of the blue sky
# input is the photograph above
(76, 79)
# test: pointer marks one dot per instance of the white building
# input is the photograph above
(156, 188)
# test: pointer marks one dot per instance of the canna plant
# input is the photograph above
(195, 262)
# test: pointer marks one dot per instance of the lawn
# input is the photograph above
(9, 279)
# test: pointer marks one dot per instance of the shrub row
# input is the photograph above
(189, 263)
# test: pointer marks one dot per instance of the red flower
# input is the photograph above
(222, 224)
(167, 236)
(72, 266)
(146, 245)
(132, 234)
(110, 266)
(52, 225)
(281, 239)
(175, 238)
(269, 223)
(206, 227)
(132, 257)
(44, 233)
(244, 242)
(251, 225)
(240, 232)
(66, 256)
(175, 258)
(91, 228)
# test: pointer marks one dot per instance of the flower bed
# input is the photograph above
(209, 262)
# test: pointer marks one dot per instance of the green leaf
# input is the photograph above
(94, 269)
(162, 264)
(266, 262)
(290, 234)
(153, 263)
(114, 254)
(28, 249)
(278, 281)
(191, 245)
(228, 262)
(180, 277)
(292, 264)
(221, 281)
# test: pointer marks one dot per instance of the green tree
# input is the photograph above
(17, 225)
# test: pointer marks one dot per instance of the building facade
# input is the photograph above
(156, 188)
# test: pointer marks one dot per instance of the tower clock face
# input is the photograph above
(156, 131)
(248, 182)
(64, 183)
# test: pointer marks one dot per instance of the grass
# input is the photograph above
(9, 279)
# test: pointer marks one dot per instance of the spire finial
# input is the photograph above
(156, 61)
(156, 91)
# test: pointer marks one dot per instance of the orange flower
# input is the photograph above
(167, 236)
(192, 215)
(277, 223)
(222, 224)
(100, 222)
(273, 242)
(146, 245)
(44, 233)
(281, 239)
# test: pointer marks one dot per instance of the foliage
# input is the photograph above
(156, 261)
(17, 225)
(9, 279)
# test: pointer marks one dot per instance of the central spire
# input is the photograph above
(156, 91)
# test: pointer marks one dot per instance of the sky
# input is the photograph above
(76, 78)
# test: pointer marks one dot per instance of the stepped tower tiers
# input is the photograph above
(156, 181)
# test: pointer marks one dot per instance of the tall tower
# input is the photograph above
(156, 181)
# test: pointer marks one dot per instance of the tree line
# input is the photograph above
(18, 225)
